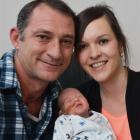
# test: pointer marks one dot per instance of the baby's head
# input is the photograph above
(71, 101)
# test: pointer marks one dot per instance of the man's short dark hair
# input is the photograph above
(26, 12)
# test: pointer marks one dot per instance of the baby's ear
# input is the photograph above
(60, 112)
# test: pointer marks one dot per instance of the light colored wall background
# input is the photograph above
(127, 12)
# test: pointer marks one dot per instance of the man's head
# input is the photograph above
(44, 39)
(71, 101)
(26, 12)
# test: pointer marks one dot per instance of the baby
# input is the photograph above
(77, 121)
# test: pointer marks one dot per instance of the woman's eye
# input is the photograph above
(82, 46)
(103, 41)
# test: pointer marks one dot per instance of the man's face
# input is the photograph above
(47, 45)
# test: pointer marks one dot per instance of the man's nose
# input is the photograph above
(54, 49)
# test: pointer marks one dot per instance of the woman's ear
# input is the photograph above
(122, 55)
(15, 37)
(121, 49)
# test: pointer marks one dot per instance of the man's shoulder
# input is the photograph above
(7, 59)
(7, 70)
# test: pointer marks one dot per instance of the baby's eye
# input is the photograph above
(103, 41)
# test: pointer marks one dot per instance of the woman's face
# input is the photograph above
(100, 51)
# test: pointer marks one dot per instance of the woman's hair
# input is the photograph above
(92, 13)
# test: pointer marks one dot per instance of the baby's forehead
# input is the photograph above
(71, 93)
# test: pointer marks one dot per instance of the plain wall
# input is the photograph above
(127, 12)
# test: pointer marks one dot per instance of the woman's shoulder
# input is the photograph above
(133, 76)
(87, 86)
(89, 89)
(133, 85)
(88, 83)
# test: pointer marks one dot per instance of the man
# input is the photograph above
(44, 41)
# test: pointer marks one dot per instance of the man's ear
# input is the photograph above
(15, 37)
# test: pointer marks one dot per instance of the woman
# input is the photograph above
(102, 52)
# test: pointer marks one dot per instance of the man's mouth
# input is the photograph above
(53, 64)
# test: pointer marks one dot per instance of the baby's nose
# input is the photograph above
(75, 99)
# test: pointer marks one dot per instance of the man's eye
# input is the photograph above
(67, 42)
(103, 42)
(43, 37)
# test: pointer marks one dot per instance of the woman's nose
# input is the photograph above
(94, 51)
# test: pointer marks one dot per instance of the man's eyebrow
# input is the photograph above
(43, 31)
(69, 36)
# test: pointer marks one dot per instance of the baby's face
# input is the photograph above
(75, 103)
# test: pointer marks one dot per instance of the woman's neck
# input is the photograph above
(116, 85)
(113, 94)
